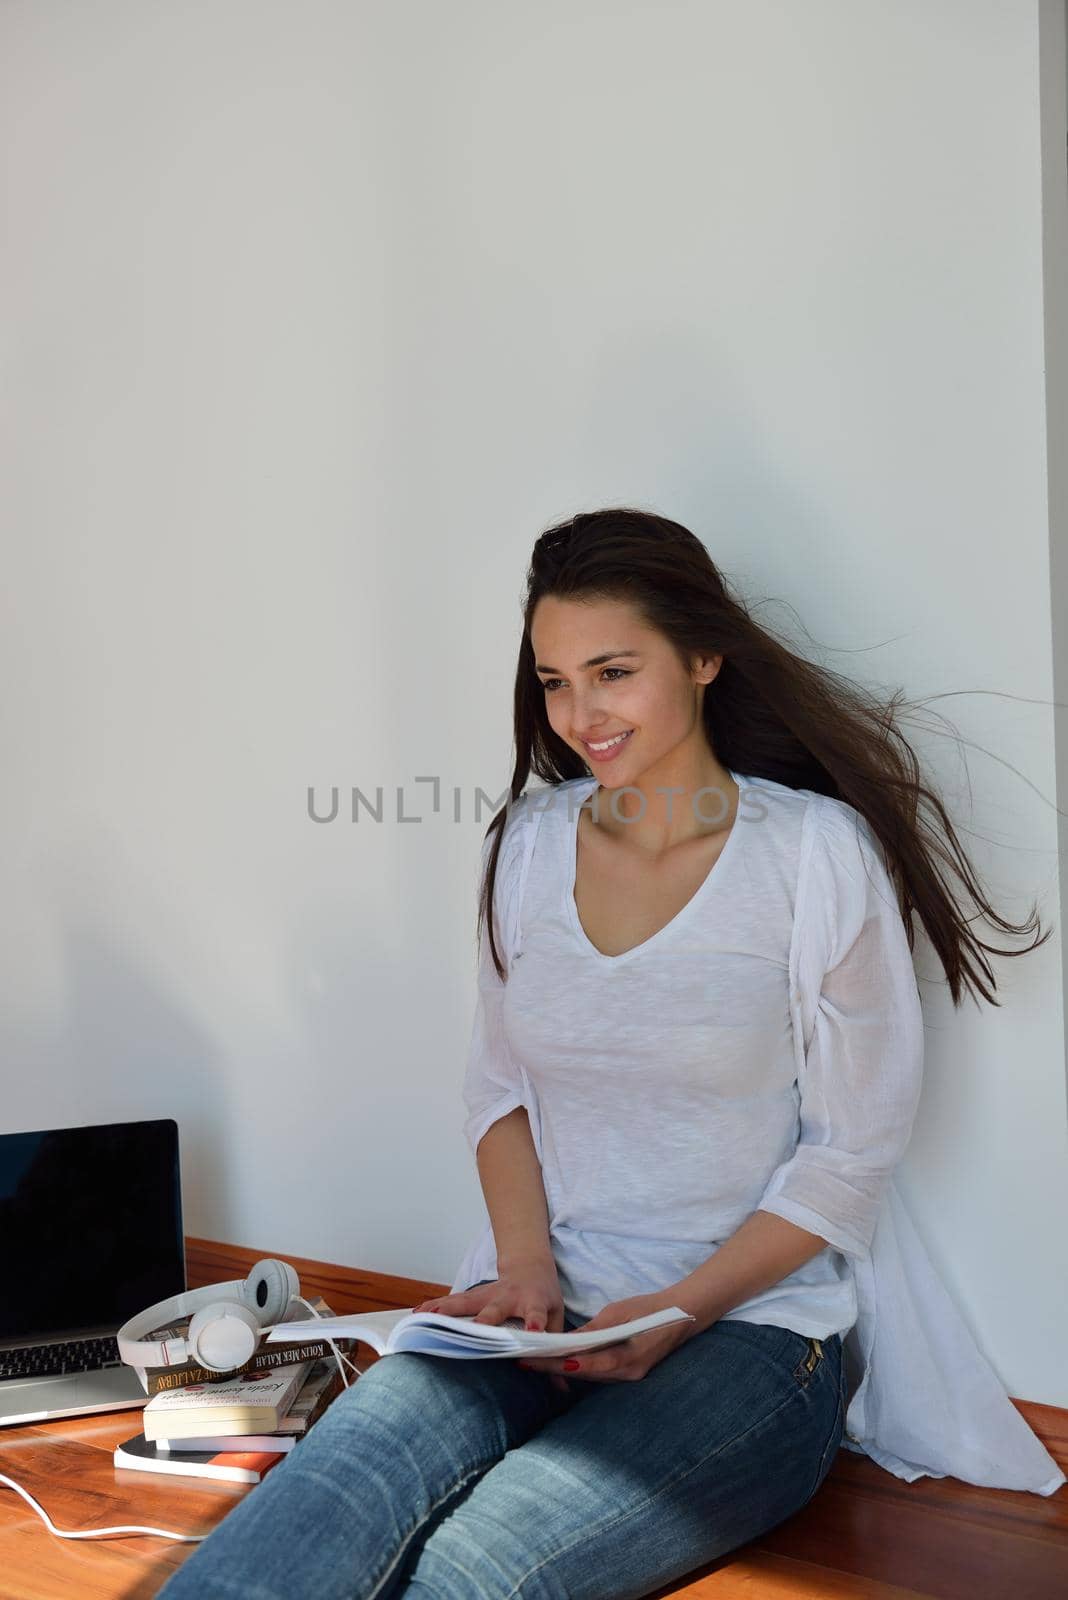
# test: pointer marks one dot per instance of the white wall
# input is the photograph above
(313, 316)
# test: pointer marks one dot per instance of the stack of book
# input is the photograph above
(237, 1425)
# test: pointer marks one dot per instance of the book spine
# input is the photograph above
(161, 1380)
(328, 1395)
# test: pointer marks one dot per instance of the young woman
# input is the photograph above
(696, 1060)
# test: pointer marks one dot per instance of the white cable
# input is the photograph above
(97, 1533)
(339, 1355)
(160, 1533)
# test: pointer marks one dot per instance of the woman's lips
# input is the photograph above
(611, 752)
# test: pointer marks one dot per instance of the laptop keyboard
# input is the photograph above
(51, 1360)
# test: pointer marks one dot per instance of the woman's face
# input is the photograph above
(638, 687)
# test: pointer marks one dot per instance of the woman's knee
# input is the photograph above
(395, 1384)
(409, 1394)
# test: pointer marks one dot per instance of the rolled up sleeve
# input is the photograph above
(493, 1081)
(863, 1070)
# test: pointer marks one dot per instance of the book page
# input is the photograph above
(435, 1333)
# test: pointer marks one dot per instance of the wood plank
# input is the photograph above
(78, 1485)
(947, 1539)
(755, 1574)
(344, 1288)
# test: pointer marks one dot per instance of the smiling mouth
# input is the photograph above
(607, 746)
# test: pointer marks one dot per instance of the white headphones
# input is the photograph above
(224, 1331)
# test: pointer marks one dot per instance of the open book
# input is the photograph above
(433, 1333)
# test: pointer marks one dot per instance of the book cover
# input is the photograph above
(161, 1380)
(243, 1466)
(437, 1334)
(321, 1389)
(255, 1402)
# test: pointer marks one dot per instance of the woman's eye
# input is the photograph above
(548, 684)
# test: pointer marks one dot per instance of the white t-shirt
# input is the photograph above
(653, 1147)
(663, 1078)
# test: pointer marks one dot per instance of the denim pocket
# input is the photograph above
(797, 1353)
(811, 1360)
(834, 1440)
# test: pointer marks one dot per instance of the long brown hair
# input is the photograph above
(768, 713)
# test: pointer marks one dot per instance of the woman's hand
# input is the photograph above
(632, 1357)
(528, 1288)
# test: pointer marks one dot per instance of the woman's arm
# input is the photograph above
(763, 1251)
(510, 1174)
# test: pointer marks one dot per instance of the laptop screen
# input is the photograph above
(90, 1226)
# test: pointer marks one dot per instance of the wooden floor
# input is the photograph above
(866, 1533)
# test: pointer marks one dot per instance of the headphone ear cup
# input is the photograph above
(268, 1290)
(223, 1336)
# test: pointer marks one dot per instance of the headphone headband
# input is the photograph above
(226, 1321)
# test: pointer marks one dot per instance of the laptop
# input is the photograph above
(90, 1233)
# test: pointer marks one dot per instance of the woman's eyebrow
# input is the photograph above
(594, 661)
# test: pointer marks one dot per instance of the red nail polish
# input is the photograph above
(571, 1365)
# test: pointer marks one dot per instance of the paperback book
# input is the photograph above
(321, 1388)
(255, 1402)
(437, 1334)
(237, 1466)
(290, 1354)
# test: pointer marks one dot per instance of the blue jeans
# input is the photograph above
(443, 1479)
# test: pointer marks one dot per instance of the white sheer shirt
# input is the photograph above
(766, 1053)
